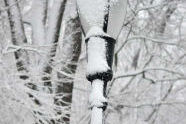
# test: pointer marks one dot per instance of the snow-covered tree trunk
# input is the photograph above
(18, 37)
(38, 21)
(52, 36)
(38, 25)
(71, 48)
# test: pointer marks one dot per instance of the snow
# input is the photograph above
(95, 31)
(96, 52)
(37, 22)
(17, 28)
(117, 15)
(96, 98)
(89, 15)
(131, 99)
(96, 63)
(96, 56)
(38, 34)
(92, 13)
(52, 20)
(96, 116)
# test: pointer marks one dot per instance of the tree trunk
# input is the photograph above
(38, 27)
(70, 54)
(18, 37)
(161, 29)
(53, 33)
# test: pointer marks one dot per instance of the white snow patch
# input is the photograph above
(96, 52)
(97, 116)
(96, 98)
(96, 56)
(96, 31)
(92, 12)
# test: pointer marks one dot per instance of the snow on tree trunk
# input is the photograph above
(19, 39)
(18, 36)
(53, 33)
(38, 24)
(38, 21)
(55, 19)
(38, 28)
(71, 48)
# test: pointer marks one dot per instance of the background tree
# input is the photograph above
(44, 26)
(149, 79)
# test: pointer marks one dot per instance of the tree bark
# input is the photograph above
(38, 21)
(53, 33)
(70, 54)
(18, 36)
(38, 24)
